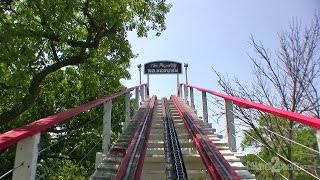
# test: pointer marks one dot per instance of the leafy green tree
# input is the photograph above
(40, 37)
(274, 167)
(58, 54)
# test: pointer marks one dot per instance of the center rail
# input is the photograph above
(172, 146)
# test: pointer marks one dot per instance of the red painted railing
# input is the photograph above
(123, 167)
(12, 137)
(211, 164)
(303, 119)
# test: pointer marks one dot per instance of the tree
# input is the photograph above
(274, 167)
(58, 54)
(39, 38)
(65, 145)
(288, 80)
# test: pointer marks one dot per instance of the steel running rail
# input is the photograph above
(172, 145)
(132, 163)
(217, 167)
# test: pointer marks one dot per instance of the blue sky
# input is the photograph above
(215, 34)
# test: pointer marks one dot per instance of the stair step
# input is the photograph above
(111, 160)
(238, 166)
(108, 167)
(245, 174)
(102, 176)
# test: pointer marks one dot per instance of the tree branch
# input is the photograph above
(34, 88)
(54, 52)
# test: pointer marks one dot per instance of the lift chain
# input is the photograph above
(173, 143)
(167, 146)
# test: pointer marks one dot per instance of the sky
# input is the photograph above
(214, 34)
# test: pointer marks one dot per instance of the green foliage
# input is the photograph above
(275, 165)
(67, 170)
(58, 54)
(38, 38)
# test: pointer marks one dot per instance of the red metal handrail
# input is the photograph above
(211, 165)
(303, 119)
(125, 161)
(10, 138)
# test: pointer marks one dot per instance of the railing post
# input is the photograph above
(186, 94)
(178, 84)
(179, 91)
(230, 126)
(204, 106)
(137, 100)
(26, 158)
(127, 111)
(148, 85)
(146, 92)
(106, 136)
(142, 93)
(318, 138)
(192, 99)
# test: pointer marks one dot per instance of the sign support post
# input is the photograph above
(162, 67)
(178, 83)
(148, 82)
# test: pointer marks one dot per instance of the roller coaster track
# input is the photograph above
(164, 139)
(170, 142)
